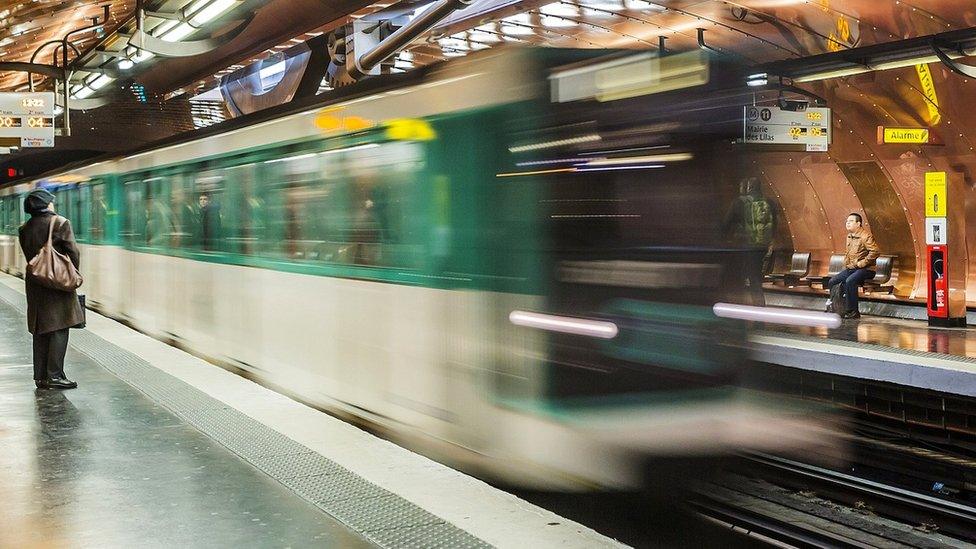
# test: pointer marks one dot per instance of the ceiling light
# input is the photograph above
(84, 93)
(516, 30)
(164, 27)
(179, 33)
(142, 55)
(556, 22)
(211, 12)
(126, 63)
(479, 36)
(559, 9)
(100, 82)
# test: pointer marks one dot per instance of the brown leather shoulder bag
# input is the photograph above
(53, 269)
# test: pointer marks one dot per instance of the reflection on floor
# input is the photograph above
(104, 466)
(911, 335)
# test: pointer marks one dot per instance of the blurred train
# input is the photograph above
(507, 260)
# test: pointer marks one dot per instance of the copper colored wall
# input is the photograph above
(816, 191)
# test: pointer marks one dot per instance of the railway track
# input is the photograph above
(801, 505)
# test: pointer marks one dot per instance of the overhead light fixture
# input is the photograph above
(179, 32)
(214, 10)
(100, 82)
(754, 80)
(883, 65)
(125, 63)
(84, 93)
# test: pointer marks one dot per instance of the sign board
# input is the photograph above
(935, 231)
(936, 195)
(630, 76)
(918, 136)
(775, 126)
(28, 117)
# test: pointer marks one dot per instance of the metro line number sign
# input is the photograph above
(775, 126)
(27, 119)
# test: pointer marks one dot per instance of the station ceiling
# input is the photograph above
(756, 31)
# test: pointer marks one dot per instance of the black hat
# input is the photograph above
(37, 201)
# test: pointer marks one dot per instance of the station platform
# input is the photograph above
(159, 448)
(897, 351)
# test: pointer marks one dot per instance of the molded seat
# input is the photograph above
(799, 268)
(834, 266)
(882, 275)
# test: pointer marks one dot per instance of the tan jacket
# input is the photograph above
(861, 250)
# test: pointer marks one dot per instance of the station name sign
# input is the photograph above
(775, 126)
(916, 136)
(27, 117)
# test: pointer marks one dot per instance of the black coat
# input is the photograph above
(50, 310)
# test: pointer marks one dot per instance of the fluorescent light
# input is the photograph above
(290, 158)
(777, 315)
(355, 148)
(142, 55)
(832, 74)
(179, 33)
(564, 324)
(164, 27)
(100, 82)
(211, 12)
(654, 159)
(84, 93)
(556, 143)
(268, 72)
(560, 10)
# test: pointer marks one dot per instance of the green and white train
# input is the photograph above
(513, 281)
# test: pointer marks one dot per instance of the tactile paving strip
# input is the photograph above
(377, 514)
(868, 346)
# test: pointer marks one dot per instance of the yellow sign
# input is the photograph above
(906, 135)
(931, 98)
(409, 129)
(332, 121)
(936, 204)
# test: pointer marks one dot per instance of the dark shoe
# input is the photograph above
(60, 383)
(851, 315)
(40, 384)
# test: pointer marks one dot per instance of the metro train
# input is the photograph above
(508, 261)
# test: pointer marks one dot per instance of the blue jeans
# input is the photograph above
(851, 279)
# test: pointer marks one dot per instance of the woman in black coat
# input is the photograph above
(50, 313)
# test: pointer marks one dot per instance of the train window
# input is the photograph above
(135, 214)
(160, 227)
(302, 209)
(204, 211)
(243, 216)
(346, 205)
(182, 210)
(99, 207)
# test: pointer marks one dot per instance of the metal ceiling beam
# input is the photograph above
(879, 56)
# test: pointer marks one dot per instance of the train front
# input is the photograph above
(619, 373)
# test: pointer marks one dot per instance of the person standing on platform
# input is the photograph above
(860, 256)
(50, 313)
(751, 222)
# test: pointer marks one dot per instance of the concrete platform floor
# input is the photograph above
(104, 466)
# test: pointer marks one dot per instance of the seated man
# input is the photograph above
(861, 254)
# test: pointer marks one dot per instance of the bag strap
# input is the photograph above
(50, 230)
